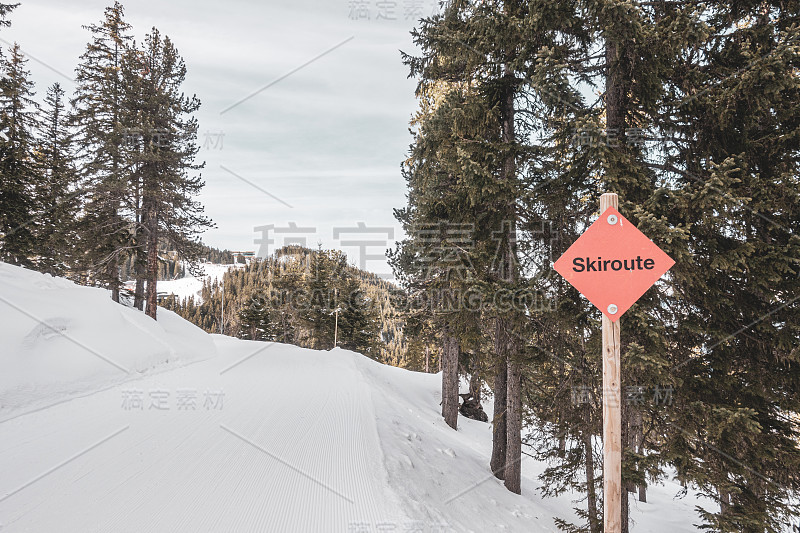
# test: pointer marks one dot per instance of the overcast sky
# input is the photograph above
(305, 106)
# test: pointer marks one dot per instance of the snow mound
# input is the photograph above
(61, 339)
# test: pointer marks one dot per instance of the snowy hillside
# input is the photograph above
(60, 339)
(170, 429)
(191, 285)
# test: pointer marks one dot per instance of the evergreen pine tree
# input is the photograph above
(164, 162)
(56, 191)
(735, 157)
(488, 52)
(357, 322)
(255, 322)
(319, 302)
(18, 124)
(104, 229)
(5, 9)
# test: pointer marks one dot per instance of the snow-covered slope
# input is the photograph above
(443, 476)
(60, 339)
(191, 285)
(248, 437)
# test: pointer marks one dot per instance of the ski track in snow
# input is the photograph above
(181, 470)
(344, 443)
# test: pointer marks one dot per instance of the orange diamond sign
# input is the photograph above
(613, 264)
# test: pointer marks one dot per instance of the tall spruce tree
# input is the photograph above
(491, 49)
(673, 67)
(627, 50)
(357, 322)
(105, 227)
(18, 123)
(736, 157)
(435, 263)
(320, 297)
(163, 159)
(255, 322)
(57, 195)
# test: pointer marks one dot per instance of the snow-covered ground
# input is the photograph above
(112, 422)
(60, 339)
(191, 285)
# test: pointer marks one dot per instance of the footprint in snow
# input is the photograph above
(519, 514)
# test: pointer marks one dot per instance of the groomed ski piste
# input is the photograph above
(112, 422)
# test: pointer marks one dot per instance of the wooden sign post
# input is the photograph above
(612, 264)
(612, 413)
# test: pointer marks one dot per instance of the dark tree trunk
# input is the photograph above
(138, 295)
(113, 274)
(450, 350)
(140, 271)
(591, 493)
(513, 472)
(591, 496)
(637, 444)
(506, 444)
(625, 507)
(140, 255)
(616, 92)
(151, 294)
(498, 461)
(627, 485)
(628, 442)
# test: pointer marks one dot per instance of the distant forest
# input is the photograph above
(293, 297)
